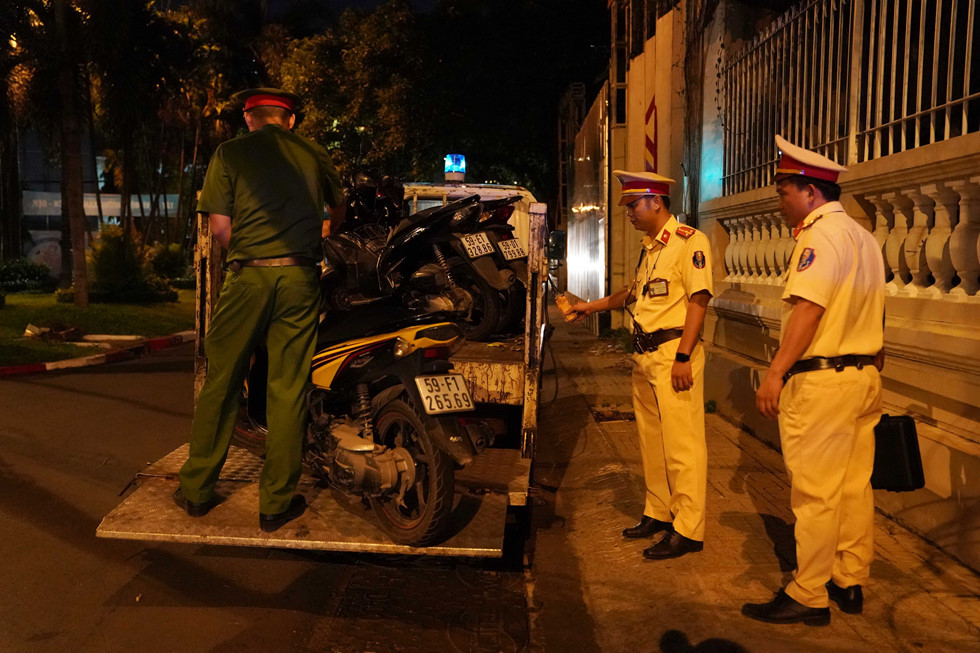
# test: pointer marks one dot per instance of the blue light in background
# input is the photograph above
(455, 163)
(712, 168)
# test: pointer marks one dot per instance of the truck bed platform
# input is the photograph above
(497, 478)
(494, 371)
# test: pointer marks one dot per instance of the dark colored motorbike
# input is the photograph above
(510, 252)
(417, 260)
(387, 418)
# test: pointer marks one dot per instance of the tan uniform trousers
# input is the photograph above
(826, 425)
(671, 430)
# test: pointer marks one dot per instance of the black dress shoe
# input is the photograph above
(848, 599)
(783, 609)
(647, 527)
(193, 508)
(674, 545)
(271, 523)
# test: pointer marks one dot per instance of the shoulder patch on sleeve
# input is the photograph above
(698, 259)
(685, 231)
(806, 259)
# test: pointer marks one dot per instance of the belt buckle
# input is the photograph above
(640, 346)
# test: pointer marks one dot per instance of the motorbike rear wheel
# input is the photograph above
(428, 504)
(485, 313)
(515, 305)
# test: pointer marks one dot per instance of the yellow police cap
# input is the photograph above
(795, 160)
(638, 184)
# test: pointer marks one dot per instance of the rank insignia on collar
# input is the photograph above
(664, 236)
(684, 231)
(699, 259)
(806, 259)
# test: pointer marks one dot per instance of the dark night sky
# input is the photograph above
(276, 6)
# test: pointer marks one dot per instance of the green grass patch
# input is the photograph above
(42, 310)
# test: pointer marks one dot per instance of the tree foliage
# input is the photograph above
(362, 82)
(389, 91)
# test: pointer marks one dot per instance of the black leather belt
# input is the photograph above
(644, 342)
(834, 363)
(281, 262)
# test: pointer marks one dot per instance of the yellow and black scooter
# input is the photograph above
(388, 420)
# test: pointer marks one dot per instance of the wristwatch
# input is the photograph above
(682, 358)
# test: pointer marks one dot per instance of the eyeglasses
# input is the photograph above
(635, 203)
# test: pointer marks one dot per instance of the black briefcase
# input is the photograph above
(898, 464)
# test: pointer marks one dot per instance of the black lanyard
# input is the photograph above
(636, 276)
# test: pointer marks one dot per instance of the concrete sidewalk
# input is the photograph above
(592, 590)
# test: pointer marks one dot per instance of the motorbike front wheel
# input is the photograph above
(422, 516)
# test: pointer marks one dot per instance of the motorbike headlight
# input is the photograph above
(402, 348)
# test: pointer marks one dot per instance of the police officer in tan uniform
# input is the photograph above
(824, 387)
(671, 289)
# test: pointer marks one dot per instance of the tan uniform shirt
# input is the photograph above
(837, 264)
(675, 265)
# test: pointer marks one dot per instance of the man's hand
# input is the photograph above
(682, 376)
(581, 310)
(767, 397)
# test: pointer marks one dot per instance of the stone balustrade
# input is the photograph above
(929, 235)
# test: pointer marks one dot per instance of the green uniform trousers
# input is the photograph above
(278, 305)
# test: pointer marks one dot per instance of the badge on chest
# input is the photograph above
(656, 287)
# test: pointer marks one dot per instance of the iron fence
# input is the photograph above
(852, 79)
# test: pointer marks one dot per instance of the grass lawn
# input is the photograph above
(115, 319)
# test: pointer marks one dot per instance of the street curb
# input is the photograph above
(114, 356)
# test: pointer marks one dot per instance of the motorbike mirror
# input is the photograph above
(557, 245)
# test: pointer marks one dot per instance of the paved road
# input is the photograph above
(70, 442)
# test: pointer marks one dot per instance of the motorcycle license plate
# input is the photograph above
(477, 245)
(445, 393)
(512, 249)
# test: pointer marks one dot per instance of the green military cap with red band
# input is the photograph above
(267, 97)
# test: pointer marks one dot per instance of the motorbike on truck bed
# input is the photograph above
(418, 261)
(503, 381)
(387, 418)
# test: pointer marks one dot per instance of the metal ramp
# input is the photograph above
(498, 478)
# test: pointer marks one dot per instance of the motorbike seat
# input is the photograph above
(430, 215)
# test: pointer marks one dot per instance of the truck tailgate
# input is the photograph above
(331, 522)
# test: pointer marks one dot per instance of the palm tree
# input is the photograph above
(66, 21)
(10, 203)
(44, 79)
(131, 71)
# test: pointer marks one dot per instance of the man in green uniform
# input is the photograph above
(264, 195)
